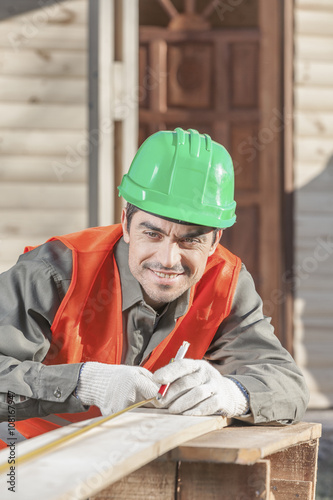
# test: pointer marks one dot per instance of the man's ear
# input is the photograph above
(124, 224)
(216, 242)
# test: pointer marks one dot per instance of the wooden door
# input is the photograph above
(225, 82)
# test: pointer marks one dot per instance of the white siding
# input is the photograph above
(314, 196)
(43, 125)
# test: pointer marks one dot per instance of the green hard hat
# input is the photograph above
(182, 175)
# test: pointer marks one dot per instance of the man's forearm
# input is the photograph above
(43, 390)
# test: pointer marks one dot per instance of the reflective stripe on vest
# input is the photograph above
(6, 437)
(55, 419)
(33, 427)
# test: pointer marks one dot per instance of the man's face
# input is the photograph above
(165, 257)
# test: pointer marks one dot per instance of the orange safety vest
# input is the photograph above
(88, 323)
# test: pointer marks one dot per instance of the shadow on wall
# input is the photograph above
(313, 283)
(10, 8)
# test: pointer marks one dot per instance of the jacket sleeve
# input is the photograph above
(246, 349)
(30, 294)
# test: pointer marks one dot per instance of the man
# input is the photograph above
(92, 319)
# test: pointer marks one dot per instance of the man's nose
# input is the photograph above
(169, 254)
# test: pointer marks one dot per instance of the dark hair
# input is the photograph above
(132, 209)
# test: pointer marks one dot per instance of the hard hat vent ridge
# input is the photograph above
(195, 143)
(208, 142)
(180, 135)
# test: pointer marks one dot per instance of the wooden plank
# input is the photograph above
(271, 213)
(313, 149)
(307, 265)
(311, 324)
(221, 96)
(317, 304)
(57, 89)
(285, 490)
(129, 47)
(318, 383)
(115, 91)
(154, 481)
(229, 35)
(320, 401)
(288, 178)
(314, 4)
(314, 48)
(319, 282)
(311, 226)
(314, 22)
(4, 266)
(93, 78)
(306, 172)
(248, 172)
(40, 62)
(297, 463)
(43, 116)
(316, 99)
(42, 195)
(308, 271)
(200, 117)
(205, 480)
(105, 454)
(237, 445)
(17, 35)
(213, 481)
(317, 363)
(318, 343)
(310, 333)
(306, 332)
(158, 90)
(313, 72)
(306, 242)
(36, 13)
(172, 61)
(70, 168)
(244, 75)
(316, 201)
(106, 104)
(39, 142)
(314, 123)
(315, 262)
(38, 222)
(314, 176)
(13, 247)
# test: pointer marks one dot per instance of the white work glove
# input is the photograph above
(197, 388)
(114, 387)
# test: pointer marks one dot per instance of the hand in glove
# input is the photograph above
(114, 387)
(199, 389)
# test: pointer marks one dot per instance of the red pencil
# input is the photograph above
(180, 355)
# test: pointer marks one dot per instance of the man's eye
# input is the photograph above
(151, 234)
(190, 241)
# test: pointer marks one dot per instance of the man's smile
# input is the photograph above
(169, 276)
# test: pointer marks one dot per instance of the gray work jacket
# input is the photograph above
(244, 346)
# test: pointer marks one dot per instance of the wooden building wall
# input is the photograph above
(313, 146)
(43, 122)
